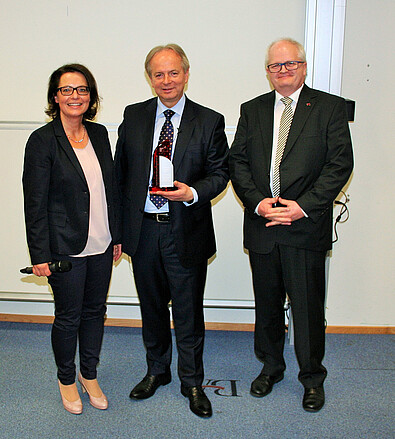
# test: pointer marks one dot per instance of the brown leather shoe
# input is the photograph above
(263, 384)
(313, 399)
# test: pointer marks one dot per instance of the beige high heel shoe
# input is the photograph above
(99, 402)
(74, 407)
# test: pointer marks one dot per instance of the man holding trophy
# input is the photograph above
(171, 161)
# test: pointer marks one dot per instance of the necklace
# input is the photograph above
(78, 141)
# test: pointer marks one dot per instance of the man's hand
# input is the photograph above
(280, 216)
(266, 206)
(117, 252)
(183, 193)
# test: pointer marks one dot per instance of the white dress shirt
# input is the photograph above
(159, 121)
(278, 111)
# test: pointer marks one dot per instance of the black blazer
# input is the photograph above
(200, 160)
(56, 194)
(316, 164)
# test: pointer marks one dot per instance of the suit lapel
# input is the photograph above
(68, 149)
(266, 120)
(185, 131)
(303, 110)
(147, 127)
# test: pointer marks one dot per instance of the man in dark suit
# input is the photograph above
(170, 235)
(287, 170)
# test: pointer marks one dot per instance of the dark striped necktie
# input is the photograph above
(285, 125)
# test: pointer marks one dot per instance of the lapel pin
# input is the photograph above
(308, 104)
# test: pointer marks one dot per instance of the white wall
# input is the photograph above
(362, 276)
(112, 39)
(225, 42)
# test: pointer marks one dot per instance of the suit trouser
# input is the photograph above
(300, 273)
(80, 297)
(159, 278)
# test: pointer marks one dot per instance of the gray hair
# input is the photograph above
(301, 51)
(175, 48)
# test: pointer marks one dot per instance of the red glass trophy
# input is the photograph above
(163, 174)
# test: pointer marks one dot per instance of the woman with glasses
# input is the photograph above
(70, 200)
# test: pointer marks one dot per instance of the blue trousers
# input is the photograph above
(80, 297)
(159, 278)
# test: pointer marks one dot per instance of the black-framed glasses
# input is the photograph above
(289, 65)
(67, 90)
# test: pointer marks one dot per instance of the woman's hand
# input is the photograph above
(42, 269)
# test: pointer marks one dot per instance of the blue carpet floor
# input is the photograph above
(359, 391)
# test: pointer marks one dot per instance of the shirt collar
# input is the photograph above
(178, 108)
(294, 96)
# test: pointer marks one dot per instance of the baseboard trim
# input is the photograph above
(212, 326)
(360, 330)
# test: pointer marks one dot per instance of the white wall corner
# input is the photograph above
(324, 43)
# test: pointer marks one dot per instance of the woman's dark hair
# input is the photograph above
(52, 109)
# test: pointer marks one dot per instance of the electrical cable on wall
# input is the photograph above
(343, 210)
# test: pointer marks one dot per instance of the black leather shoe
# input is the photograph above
(313, 399)
(198, 401)
(147, 387)
(263, 384)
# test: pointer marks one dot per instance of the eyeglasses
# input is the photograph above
(289, 65)
(67, 90)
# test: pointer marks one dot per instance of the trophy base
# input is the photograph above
(165, 189)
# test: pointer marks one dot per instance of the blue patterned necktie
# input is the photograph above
(166, 133)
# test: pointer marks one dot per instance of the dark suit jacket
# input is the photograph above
(56, 194)
(200, 160)
(316, 164)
